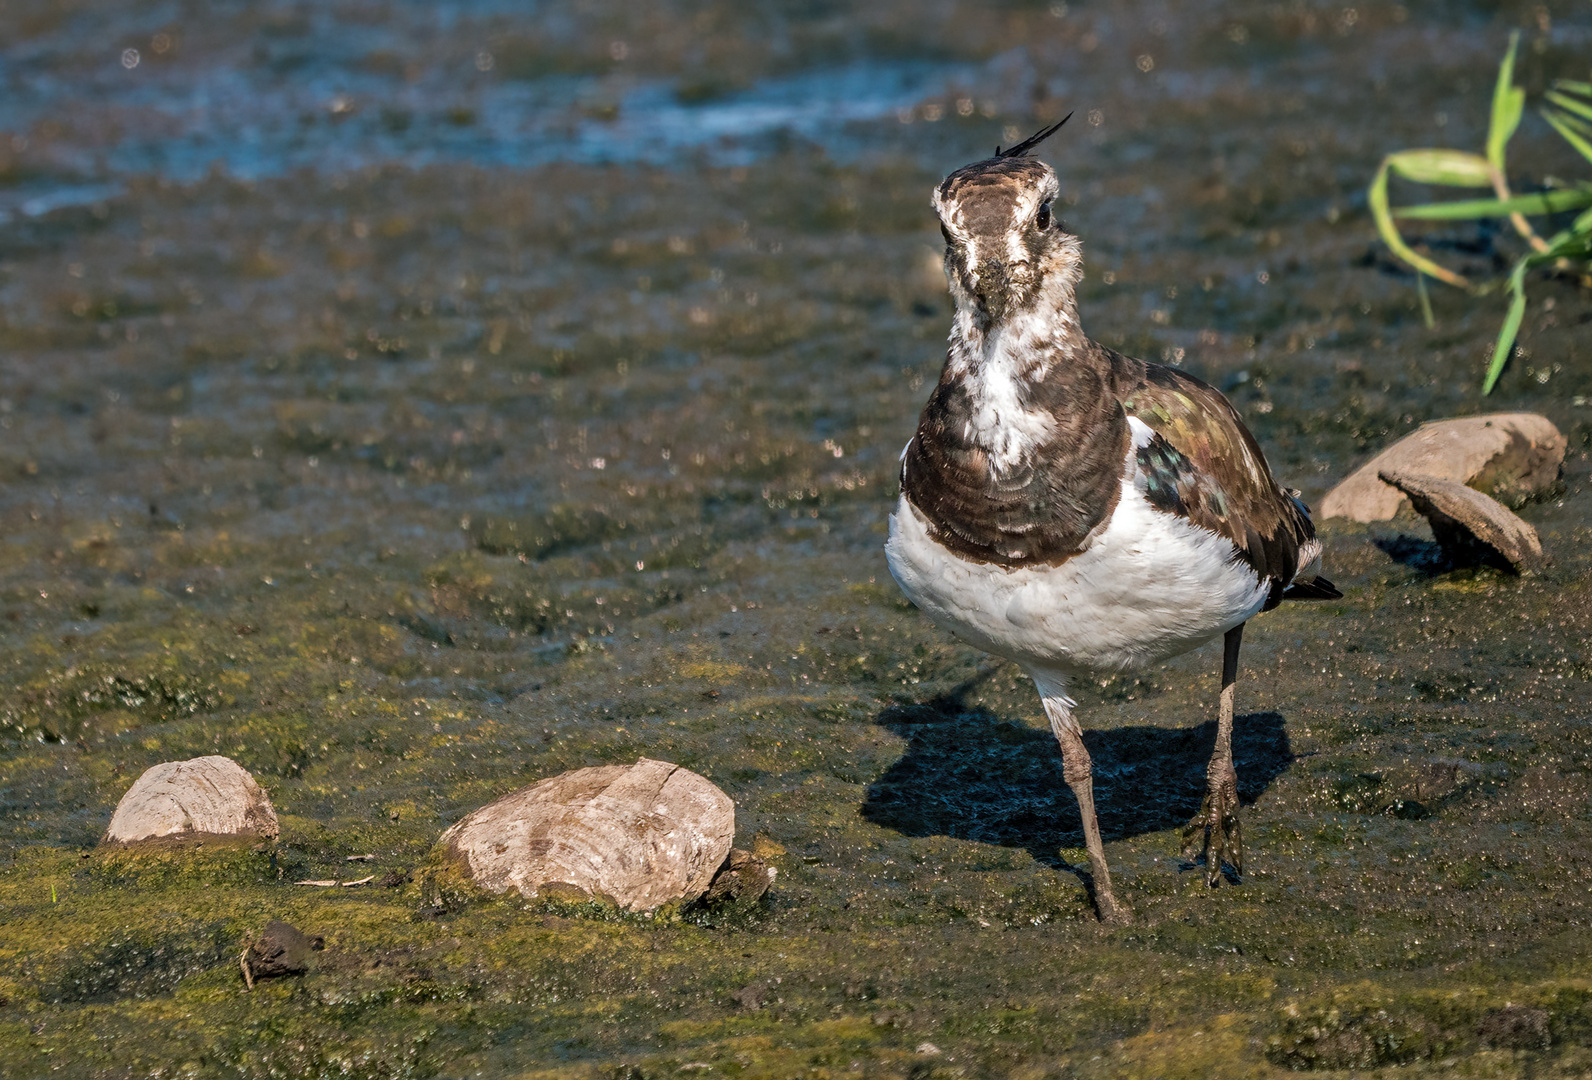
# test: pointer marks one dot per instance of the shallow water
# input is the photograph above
(513, 420)
(341, 90)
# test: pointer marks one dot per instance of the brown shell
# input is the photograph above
(638, 836)
(207, 796)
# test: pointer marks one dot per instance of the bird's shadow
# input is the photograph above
(969, 774)
(1431, 559)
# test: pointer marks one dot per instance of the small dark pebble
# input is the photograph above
(751, 996)
(1409, 810)
(280, 950)
(741, 881)
(394, 878)
(862, 991)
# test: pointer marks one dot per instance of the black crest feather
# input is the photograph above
(1033, 140)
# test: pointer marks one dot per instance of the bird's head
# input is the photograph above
(1005, 248)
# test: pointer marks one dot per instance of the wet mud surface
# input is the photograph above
(406, 483)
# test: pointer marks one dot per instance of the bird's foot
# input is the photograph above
(1096, 880)
(1112, 913)
(1214, 833)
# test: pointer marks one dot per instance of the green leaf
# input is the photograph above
(1451, 168)
(1376, 198)
(1573, 86)
(1571, 244)
(1580, 127)
(1571, 136)
(1509, 101)
(1570, 104)
(1547, 202)
(1511, 327)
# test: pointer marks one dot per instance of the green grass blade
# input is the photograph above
(1511, 327)
(1570, 244)
(1582, 144)
(1558, 245)
(1426, 301)
(1573, 86)
(1573, 243)
(1509, 101)
(1450, 168)
(1546, 202)
(1376, 198)
(1570, 104)
(1580, 127)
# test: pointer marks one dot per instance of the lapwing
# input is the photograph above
(1075, 510)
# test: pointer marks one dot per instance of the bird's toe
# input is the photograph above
(1215, 836)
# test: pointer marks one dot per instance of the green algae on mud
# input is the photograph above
(409, 487)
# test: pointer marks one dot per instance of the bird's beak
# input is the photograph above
(1002, 285)
(994, 287)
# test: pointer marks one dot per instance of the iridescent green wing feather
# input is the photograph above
(1204, 465)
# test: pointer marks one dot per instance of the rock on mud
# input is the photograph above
(209, 796)
(281, 949)
(1513, 457)
(1468, 525)
(638, 836)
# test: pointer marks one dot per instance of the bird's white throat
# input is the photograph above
(998, 363)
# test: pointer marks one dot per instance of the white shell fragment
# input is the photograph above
(209, 795)
(1510, 456)
(639, 836)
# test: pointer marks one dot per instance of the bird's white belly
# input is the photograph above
(1151, 586)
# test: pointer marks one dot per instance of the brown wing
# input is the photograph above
(1204, 465)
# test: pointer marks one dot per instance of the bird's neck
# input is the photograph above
(1026, 336)
(1023, 374)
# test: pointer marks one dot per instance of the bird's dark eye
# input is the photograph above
(1042, 220)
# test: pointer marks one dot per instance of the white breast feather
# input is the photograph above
(1000, 421)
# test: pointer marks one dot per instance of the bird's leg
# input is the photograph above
(1075, 767)
(1215, 829)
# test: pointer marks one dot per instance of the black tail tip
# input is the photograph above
(1317, 589)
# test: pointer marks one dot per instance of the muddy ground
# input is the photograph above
(406, 484)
